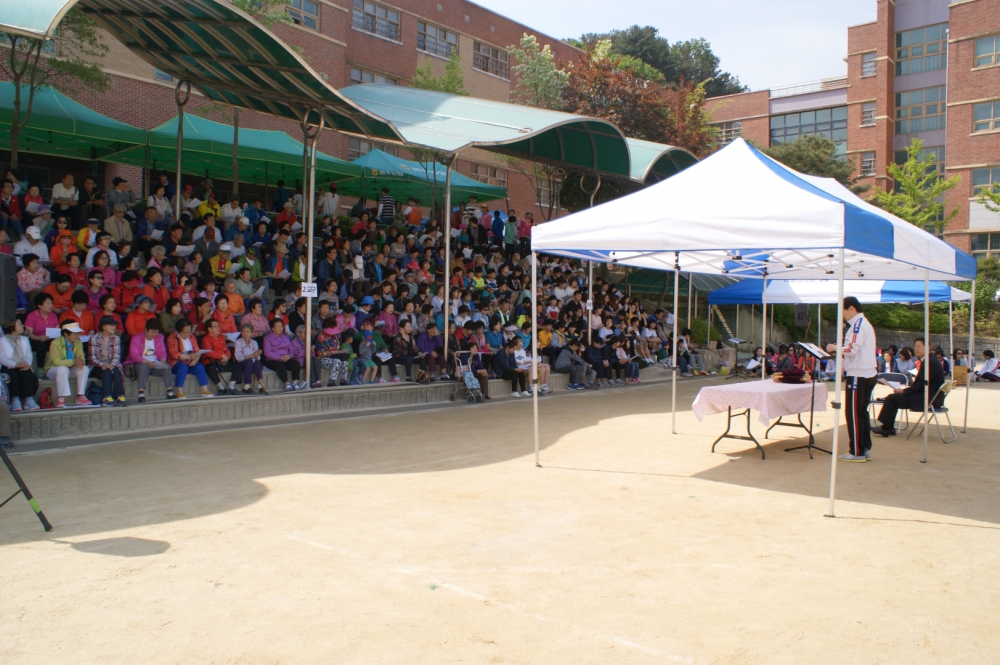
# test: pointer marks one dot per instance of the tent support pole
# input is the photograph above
(838, 385)
(763, 328)
(689, 302)
(819, 326)
(181, 98)
(970, 354)
(590, 302)
(927, 355)
(673, 374)
(309, 133)
(708, 326)
(448, 163)
(236, 149)
(534, 347)
(753, 347)
(737, 333)
(951, 332)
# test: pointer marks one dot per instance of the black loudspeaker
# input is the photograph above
(8, 289)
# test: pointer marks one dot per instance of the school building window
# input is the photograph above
(365, 76)
(868, 64)
(985, 244)
(986, 117)
(988, 51)
(920, 110)
(487, 59)
(830, 123)
(922, 50)
(868, 114)
(376, 19)
(304, 12)
(867, 163)
(489, 175)
(435, 40)
(730, 131)
(937, 153)
(358, 147)
(988, 179)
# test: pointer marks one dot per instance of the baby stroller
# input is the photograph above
(473, 393)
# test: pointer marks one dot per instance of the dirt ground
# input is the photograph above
(432, 538)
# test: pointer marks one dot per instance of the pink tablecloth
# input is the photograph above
(771, 400)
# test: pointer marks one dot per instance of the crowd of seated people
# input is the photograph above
(114, 288)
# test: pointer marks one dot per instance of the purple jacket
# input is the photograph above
(276, 346)
(299, 350)
(427, 344)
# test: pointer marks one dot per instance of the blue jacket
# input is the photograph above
(497, 227)
(504, 362)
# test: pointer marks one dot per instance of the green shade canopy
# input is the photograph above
(217, 48)
(405, 178)
(61, 127)
(264, 156)
(650, 282)
(449, 123)
(652, 162)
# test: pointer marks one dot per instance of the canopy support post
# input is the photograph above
(236, 149)
(445, 312)
(182, 94)
(819, 326)
(970, 354)
(752, 307)
(673, 373)
(590, 302)
(534, 347)
(838, 386)
(763, 328)
(927, 356)
(737, 324)
(951, 331)
(310, 133)
(689, 304)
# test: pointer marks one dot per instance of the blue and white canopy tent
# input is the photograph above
(824, 292)
(740, 213)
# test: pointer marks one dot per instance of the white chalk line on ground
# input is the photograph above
(620, 641)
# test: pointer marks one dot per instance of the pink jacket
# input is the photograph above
(138, 345)
(391, 324)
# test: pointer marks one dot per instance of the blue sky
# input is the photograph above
(767, 44)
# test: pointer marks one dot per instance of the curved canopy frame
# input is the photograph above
(449, 123)
(653, 162)
(219, 49)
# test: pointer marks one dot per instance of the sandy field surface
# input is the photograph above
(431, 537)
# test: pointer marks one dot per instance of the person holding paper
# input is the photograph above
(220, 264)
(148, 352)
(66, 361)
(218, 359)
(184, 357)
(158, 199)
(38, 323)
(187, 199)
(32, 278)
(912, 397)
(231, 212)
(209, 207)
(15, 363)
(119, 227)
(279, 356)
(861, 367)
(145, 228)
(235, 301)
(277, 269)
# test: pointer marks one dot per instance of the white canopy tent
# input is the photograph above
(740, 213)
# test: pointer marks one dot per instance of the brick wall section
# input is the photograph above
(875, 37)
(965, 84)
(753, 108)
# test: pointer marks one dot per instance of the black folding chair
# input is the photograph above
(932, 413)
(896, 377)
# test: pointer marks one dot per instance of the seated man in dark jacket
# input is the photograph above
(911, 398)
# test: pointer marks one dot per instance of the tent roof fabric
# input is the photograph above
(213, 45)
(657, 160)
(812, 292)
(769, 220)
(208, 151)
(61, 127)
(449, 123)
(406, 178)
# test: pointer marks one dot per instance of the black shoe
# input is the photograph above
(142, 398)
(247, 391)
(7, 443)
(171, 396)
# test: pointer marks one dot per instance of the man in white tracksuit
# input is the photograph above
(860, 366)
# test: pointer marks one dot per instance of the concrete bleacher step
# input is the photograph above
(159, 417)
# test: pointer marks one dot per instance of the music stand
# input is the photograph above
(23, 489)
(818, 354)
(736, 341)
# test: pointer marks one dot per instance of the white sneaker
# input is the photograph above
(545, 388)
(15, 404)
(852, 458)
(31, 405)
(515, 394)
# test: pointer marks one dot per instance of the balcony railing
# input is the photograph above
(832, 83)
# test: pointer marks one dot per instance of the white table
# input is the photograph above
(770, 399)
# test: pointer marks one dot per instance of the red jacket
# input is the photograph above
(124, 297)
(135, 323)
(159, 296)
(175, 350)
(217, 349)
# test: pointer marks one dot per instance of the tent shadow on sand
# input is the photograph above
(955, 483)
(98, 489)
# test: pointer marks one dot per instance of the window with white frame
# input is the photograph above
(489, 175)
(868, 114)
(988, 51)
(436, 41)
(988, 179)
(365, 76)
(921, 110)
(868, 64)
(986, 117)
(487, 59)
(358, 147)
(730, 131)
(867, 163)
(304, 12)
(922, 50)
(546, 196)
(985, 244)
(376, 19)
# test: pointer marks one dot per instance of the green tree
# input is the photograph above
(694, 60)
(990, 197)
(268, 13)
(919, 191)
(641, 42)
(539, 82)
(453, 80)
(68, 63)
(815, 155)
(641, 70)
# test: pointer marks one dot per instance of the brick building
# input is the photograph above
(924, 69)
(348, 42)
